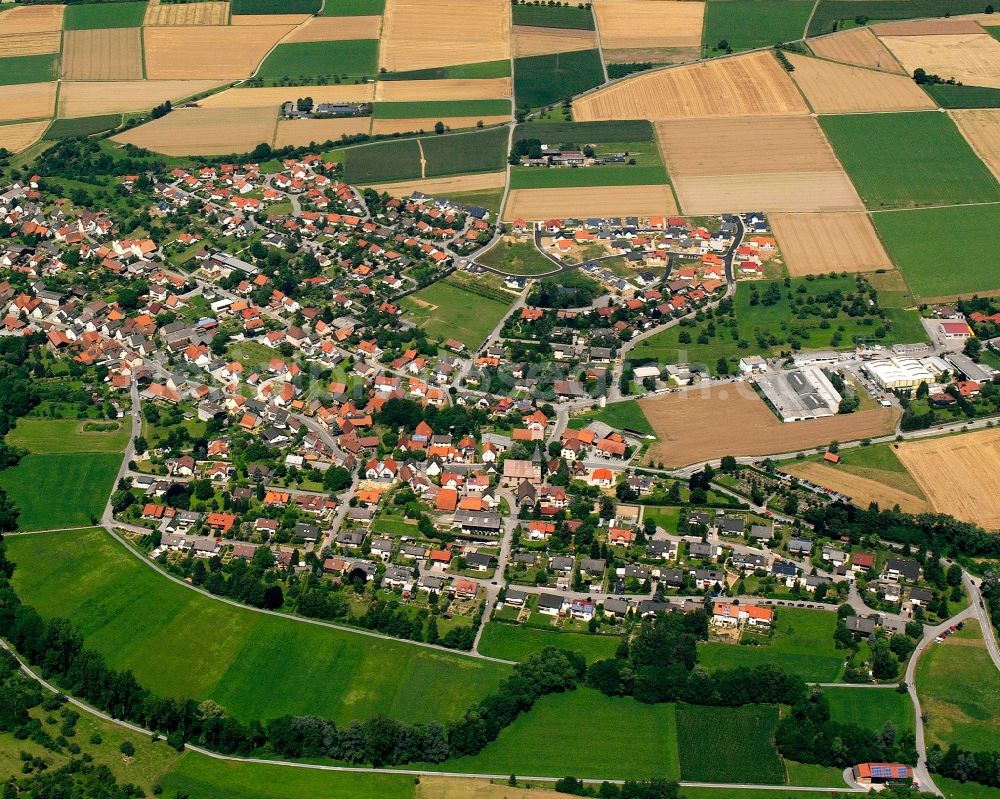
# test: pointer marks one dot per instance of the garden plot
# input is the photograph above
(529, 41)
(815, 244)
(205, 131)
(102, 54)
(224, 52)
(92, 98)
(857, 46)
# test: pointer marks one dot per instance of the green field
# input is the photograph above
(526, 177)
(256, 666)
(581, 133)
(487, 198)
(829, 12)
(55, 491)
(959, 690)
(949, 95)
(907, 160)
(546, 79)
(382, 162)
(56, 436)
(960, 259)
(440, 109)
(275, 6)
(516, 642)
(82, 126)
(748, 24)
(870, 708)
(543, 16)
(573, 733)
(761, 793)
(302, 61)
(879, 463)
(517, 258)
(29, 69)
(727, 744)
(802, 644)
(353, 8)
(479, 151)
(625, 415)
(446, 310)
(480, 69)
(953, 789)
(200, 777)
(809, 774)
(78, 17)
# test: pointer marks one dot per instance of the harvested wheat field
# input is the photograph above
(102, 54)
(448, 89)
(205, 131)
(530, 41)
(267, 20)
(32, 19)
(981, 129)
(418, 35)
(451, 185)
(861, 490)
(539, 204)
(652, 55)
(39, 43)
(792, 192)
(463, 788)
(841, 89)
(27, 101)
(972, 58)
(927, 27)
(224, 52)
(385, 127)
(958, 474)
(857, 46)
(16, 137)
(649, 23)
(750, 85)
(300, 132)
(90, 98)
(816, 244)
(205, 13)
(274, 96)
(750, 428)
(332, 29)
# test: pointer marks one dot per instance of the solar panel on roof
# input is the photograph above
(881, 771)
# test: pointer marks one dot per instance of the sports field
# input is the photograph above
(906, 160)
(870, 708)
(802, 644)
(516, 642)
(140, 620)
(748, 24)
(446, 310)
(725, 744)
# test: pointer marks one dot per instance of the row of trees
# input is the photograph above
(965, 766)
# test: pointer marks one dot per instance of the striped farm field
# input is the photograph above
(210, 12)
(274, 96)
(641, 24)
(18, 44)
(816, 244)
(456, 184)
(194, 51)
(857, 46)
(89, 98)
(102, 54)
(529, 41)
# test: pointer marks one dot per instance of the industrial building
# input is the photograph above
(905, 373)
(800, 394)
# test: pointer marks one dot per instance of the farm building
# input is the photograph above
(881, 773)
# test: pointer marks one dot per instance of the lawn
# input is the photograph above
(546, 79)
(516, 642)
(959, 690)
(667, 518)
(29, 69)
(747, 24)
(480, 69)
(445, 311)
(382, 162)
(201, 777)
(908, 160)
(82, 126)
(255, 665)
(353, 8)
(576, 733)
(625, 415)
(726, 744)
(961, 259)
(56, 436)
(870, 708)
(82, 16)
(303, 61)
(829, 12)
(275, 6)
(479, 151)
(395, 527)
(55, 491)
(440, 109)
(949, 95)
(552, 16)
(517, 258)
(802, 644)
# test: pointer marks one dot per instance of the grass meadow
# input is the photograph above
(479, 151)
(55, 491)
(445, 310)
(747, 24)
(953, 789)
(353, 8)
(181, 643)
(517, 258)
(870, 708)
(802, 644)
(909, 160)
(382, 162)
(60, 436)
(516, 642)
(879, 463)
(78, 17)
(546, 79)
(544, 16)
(82, 126)
(725, 744)
(626, 415)
(961, 259)
(29, 69)
(304, 60)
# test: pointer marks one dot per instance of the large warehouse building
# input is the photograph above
(893, 373)
(800, 394)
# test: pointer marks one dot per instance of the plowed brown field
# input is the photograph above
(417, 34)
(89, 98)
(540, 204)
(27, 101)
(972, 58)
(453, 89)
(958, 474)
(701, 425)
(981, 129)
(16, 137)
(206, 13)
(750, 85)
(32, 19)
(205, 131)
(857, 46)
(102, 54)
(16, 44)
(861, 490)
(842, 89)
(223, 52)
(274, 96)
(530, 41)
(649, 23)
(390, 126)
(815, 244)
(330, 29)
(300, 132)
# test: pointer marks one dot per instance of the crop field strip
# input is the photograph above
(209, 12)
(445, 89)
(540, 204)
(26, 101)
(274, 96)
(981, 129)
(32, 19)
(253, 20)
(527, 41)
(480, 181)
(300, 132)
(224, 52)
(323, 29)
(814, 243)
(21, 44)
(828, 12)
(205, 131)
(427, 124)
(16, 137)
(858, 47)
(90, 98)
(102, 54)
(861, 490)
(638, 24)
(971, 58)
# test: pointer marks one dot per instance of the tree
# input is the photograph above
(337, 478)
(127, 748)
(439, 128)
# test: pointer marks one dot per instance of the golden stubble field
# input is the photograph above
(418, 35)
(971, 58)
(640, 24)
(857, 46)
(211, 12)
(815, 244)
(195, 51)
(529, 41)
(541, 204)
(704, 424)
(958, 474)
(89, 98)
(27, 101)
(274, 96)
(426, 124)
(750, 85)
(300, 132)
(39, 43)
(482, 181)
(861, 490)
(981, 128)
(205, 131)
(445, 89)
(16, 137)
(32, 19)
(102, 54)
(330, 29)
